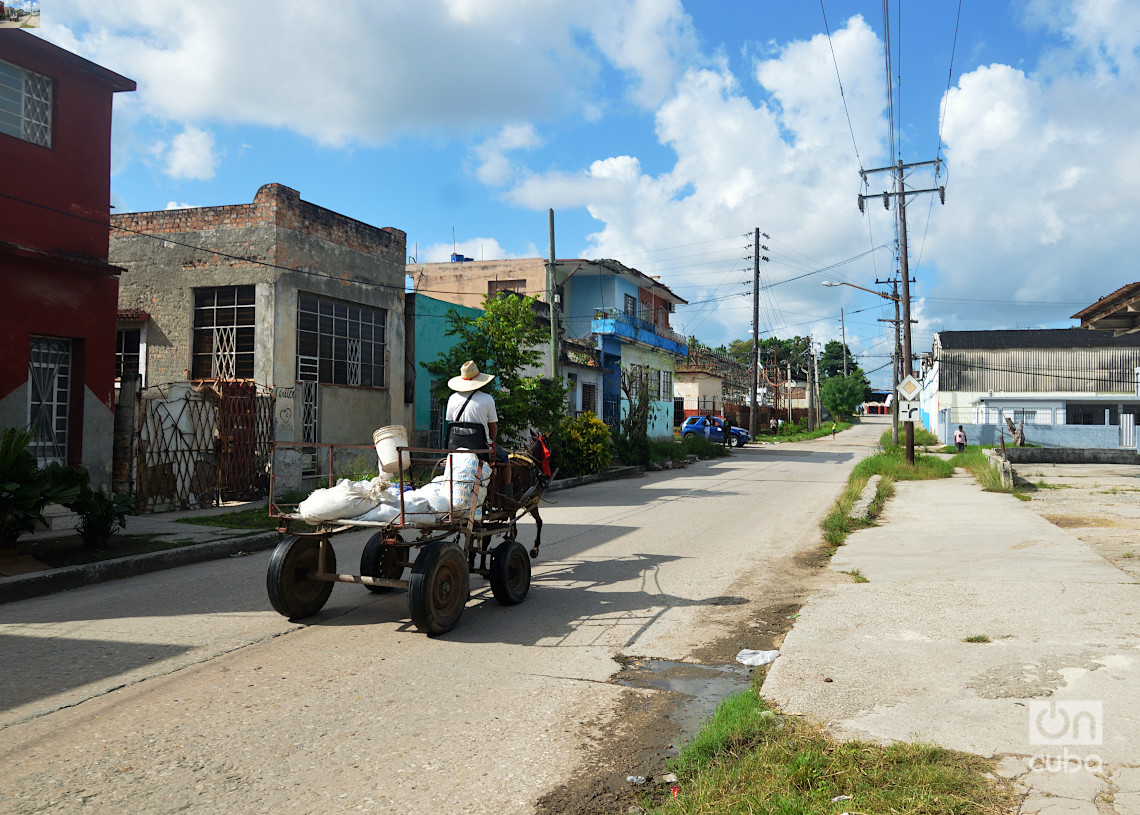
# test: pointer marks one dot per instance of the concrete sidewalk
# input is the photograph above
(887, 660)
(195, 543)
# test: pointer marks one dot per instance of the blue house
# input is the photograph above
(628, 314)
(618, 311)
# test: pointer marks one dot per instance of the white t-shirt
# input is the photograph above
(480, 409)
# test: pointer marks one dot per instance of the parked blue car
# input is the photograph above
(712, 428)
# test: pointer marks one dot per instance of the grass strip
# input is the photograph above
(749, 758)
(257, 518)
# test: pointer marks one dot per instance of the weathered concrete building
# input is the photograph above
(280, 292)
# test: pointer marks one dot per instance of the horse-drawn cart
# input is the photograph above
(448, 546)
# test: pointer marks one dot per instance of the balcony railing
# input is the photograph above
(635, 324)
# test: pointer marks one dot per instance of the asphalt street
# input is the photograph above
(183, 691)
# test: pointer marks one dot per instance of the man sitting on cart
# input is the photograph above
(474, 421)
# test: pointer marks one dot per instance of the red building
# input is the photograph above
(58, 293)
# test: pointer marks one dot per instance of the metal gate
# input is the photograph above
(200, 445)
(1128, 430)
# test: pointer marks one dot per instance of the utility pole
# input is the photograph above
(810, 384)
(843, 328)
(752, 406)
(788, 394)
(896, 361)
(551, 293)
(818, 402)
(901, 194)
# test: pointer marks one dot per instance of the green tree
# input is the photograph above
(504, 340)
(831, 360)
(841, 395)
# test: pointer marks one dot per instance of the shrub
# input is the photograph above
(581, 446)
(100, 516)
(25, 489)
(630, 451)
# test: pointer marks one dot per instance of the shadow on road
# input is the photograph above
(35, 667)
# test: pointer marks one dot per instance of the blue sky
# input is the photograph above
(662, 133)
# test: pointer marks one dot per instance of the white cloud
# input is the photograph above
(1041, 198)
(386, 69)
(176, 205)
(1043, 166)
(191, 155)
(784, 164)
(1101, 34)
(495, 168)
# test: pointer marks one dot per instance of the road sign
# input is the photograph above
(908, 411)
(909, 388)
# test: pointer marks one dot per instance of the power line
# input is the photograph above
(838, 78)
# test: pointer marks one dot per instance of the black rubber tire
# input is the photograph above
(381, 559)
(438, 588)
(687, 435)
(510, 573)
(291, 591)
(736, 441)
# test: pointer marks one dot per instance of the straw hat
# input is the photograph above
(469, 378)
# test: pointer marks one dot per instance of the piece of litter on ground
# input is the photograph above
(755, 659)
(675, 790)
(635, 779)
(841, 798)
(669, 778)
(239, 554)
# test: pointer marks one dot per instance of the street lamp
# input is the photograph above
(834, 283)
(894, 368)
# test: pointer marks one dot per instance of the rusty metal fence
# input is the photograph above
(202, 443)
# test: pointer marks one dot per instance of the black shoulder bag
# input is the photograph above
(470, 435)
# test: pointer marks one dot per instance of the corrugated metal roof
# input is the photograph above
(1033, 338)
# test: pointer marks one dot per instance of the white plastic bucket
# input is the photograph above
(387, 439)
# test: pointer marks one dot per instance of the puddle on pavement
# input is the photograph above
(702, 687)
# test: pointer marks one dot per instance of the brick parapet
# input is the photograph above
(273, 205)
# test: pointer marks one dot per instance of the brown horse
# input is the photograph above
(530, 476)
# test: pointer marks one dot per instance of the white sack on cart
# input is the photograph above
(462, 470)
(347, 499)
(438, 495)
(385, 513)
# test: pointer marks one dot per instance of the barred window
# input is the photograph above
(25, 104)
(666, 385)
(348, 340)
(224, 321)
(128, 342)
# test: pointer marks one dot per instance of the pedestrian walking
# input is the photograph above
(960, 439)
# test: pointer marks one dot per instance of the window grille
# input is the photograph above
(589, 398)
(25, 104)
(224, 324)
(49, 397)
(348, 340)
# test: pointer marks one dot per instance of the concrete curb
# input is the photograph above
(37, 584)
(578, 481)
